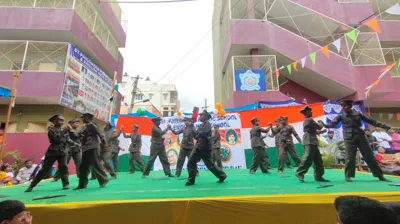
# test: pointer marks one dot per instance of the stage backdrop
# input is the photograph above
(235, 132)
(232, 153)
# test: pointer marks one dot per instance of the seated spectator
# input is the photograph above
(395, 144)
(340, 152)
(383, 139)
(331, 138)
(385, 159)
(13, 212)
(6, 175)
(362, 210)
(373, 141)
(25, 173)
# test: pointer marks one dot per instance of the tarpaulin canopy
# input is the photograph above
(5, 92)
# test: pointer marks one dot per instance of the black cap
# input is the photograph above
(135, 126)
(205, 113)
(253, 120)
(74, 120)
(305, 108)
(55, 117)
(346, 102)
(89, 115)
(278, 119)
(216, 125)
(284, 118)
(156, 119)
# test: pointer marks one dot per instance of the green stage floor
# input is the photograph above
(239, 182)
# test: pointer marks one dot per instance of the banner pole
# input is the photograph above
(10, 106)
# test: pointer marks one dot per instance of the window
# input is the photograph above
(139, 97)
(165, 113)
(165, 96)
(151, 96)
(36, 127)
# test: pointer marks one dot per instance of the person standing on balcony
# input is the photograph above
(311, 150)
(202, 151)
(56, 152)
(355, 138)
(135, 149)
(157, 148)
(286, 145)
(216, 146)
(187, 144)
(73, 148)
(258, 146)
(91, 136)
(278, 142)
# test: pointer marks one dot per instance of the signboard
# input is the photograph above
(250, 80)
(86, 87)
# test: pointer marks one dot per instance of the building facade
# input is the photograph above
(67, 52)
(264, 35)
(163, 98)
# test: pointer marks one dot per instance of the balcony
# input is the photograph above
(42, 66)
(90, 14)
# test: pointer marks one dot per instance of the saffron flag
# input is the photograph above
(374, 24)
(325, 50)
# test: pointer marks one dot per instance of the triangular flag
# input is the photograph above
(374, 24)
(390, 116)
(337, 44)
(289, 68)
(398, 64)
(282, 67)
(380, 115)
(325, 50)
(398, 116)
(295, 65)
(313, 57)
(303, 62)
(277, 73)
(352, 35)
(394, 10)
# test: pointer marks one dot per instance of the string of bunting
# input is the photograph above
(371, 23)
(381, 115)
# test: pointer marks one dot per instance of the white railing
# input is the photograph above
(380, 7)
(88, 13)
(33, 56)
(392, 55)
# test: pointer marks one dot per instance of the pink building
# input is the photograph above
(67, 52)
(264, 35)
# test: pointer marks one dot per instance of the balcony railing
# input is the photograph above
(33, 56)
(392, 55)
(267, 63)
(367, 51)
(380, 6)
(88, 13)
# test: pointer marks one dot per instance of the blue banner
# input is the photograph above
(287, 103)
(250, 80)
(4, 92)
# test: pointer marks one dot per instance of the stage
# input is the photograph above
(241, 198)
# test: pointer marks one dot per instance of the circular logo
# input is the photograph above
(226, 153)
